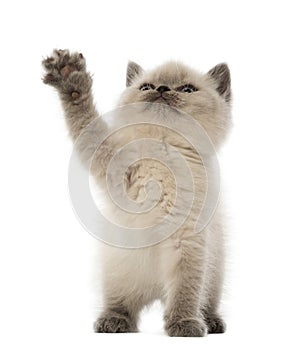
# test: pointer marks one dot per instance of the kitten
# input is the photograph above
(184, 271)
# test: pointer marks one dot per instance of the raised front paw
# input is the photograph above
(186, 328)
(61, 64)
(67, 72)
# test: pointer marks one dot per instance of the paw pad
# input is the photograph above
(75, 95)
(60, 65)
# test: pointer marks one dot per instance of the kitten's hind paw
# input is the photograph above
(215, 324)
(114, 323)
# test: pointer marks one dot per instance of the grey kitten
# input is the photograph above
(185, 271)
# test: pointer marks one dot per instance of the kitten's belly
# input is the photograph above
(145, 273)
(138, 270)
(148, 270)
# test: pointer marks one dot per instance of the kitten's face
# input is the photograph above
(206, 97)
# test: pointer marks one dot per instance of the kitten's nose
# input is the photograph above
(163, 88)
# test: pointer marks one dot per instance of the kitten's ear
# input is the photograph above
(221, 74)
(133, 70)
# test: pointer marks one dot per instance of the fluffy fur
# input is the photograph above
(185, 271)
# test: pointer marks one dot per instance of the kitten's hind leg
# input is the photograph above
(115, 320)
(130, 281)
(214, 288)
(121, 313)
(214, 323)
(210, 312)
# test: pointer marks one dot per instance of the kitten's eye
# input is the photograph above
(188, 88)
(146, 87)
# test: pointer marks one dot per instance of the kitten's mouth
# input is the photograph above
(163, 98)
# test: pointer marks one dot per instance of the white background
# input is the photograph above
(45, 255)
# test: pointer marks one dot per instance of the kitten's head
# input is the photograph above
(206, 97)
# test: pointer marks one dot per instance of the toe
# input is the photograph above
(112, 325)
(215, 325)
(187, 328)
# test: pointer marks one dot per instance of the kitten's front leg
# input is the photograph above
(185, 279)
(67, 73)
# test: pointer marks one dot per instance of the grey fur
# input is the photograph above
(185, 271)
(67, 73)
(215, 324)
(221, 74)
(186, 328)
(115, 321)
(133, 70)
